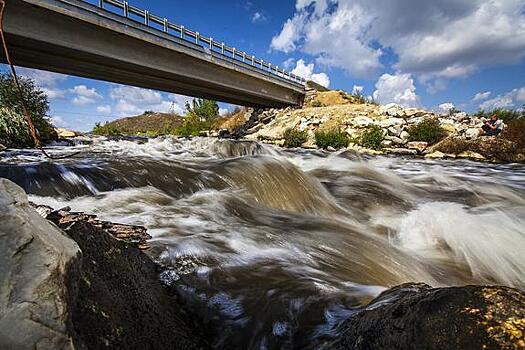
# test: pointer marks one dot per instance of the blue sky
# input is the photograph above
(469, 53)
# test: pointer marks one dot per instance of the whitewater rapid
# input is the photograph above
(274, 246)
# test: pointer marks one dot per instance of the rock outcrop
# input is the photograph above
(77, 286)
(416, 316)
(35, 260)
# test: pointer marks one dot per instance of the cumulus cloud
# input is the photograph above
(258, 17)
(511, 99)
(133, 100)
(307, 72)
(446, 107)
(46, 81)
(106, 109)
(441, 39)
(398, 88)
(480, 96)
(84, 95)
(58, 121)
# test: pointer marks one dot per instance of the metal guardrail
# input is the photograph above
(181, 32)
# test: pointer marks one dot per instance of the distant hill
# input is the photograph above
(148, 123)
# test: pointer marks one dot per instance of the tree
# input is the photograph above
(204, 110)
(14, 130)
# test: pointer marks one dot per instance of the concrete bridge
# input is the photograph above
(114, 41)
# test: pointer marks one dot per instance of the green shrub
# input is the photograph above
(14, 131)
(371, 137)
(331, 138)
(428, 130)
(294, 137)
(192, 126)
(506, 115)
(317, 103)
(204, 110)
(106, 129)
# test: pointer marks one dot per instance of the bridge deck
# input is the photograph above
(75, 37)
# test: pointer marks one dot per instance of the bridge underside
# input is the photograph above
(82, 40)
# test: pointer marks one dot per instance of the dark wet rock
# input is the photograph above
(131, 234)
(35, 261)
(120, 302)
(416, 316)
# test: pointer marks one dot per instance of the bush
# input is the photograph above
(371, 137)
(428, 130)
(106, 129)
(506, 115)
(294, 137)
(192, 126)
(14, 131)
(204, 110)
(331, 138)
(317, 103)
(515, 132)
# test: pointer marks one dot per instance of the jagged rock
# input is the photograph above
(472, 133)
(402, 151)
(449, 128)
(352, 132)
(2, 147)
(65, 133)
(393, 110)
(404, 135)
(394, 131)
(386, 143)
(435, 155)
(416, 316)
(395, 140)
(362, 121)
(410, 112)
(35, 257)
(470, 155)
(386, 123)
(459, 117)
(415, 120)
(417, 145)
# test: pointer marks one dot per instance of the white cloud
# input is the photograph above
(58, 121)
(258, 17)
(480, 96)
(398, 88)
(42, 78)
(439, 39)
(511, 99)
(307, 72)
(446, 107)
(46, 81)
(223, 111)
(53, 93)
(84, 95)
(131, 100)
(357, 90)
(106, 109)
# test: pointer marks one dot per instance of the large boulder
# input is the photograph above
(35, 258)
(416, 316)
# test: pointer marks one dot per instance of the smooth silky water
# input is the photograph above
(273, 248)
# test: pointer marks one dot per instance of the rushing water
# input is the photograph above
(272, 247)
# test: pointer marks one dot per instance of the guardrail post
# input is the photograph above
(222, 48)
(165, 25)
(233, 53)
(197, 37)
(146, 17)
(211, 44)
(126, 9)
(101, 3)
(182, 31)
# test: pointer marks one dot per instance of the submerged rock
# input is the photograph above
(416, 316)
(35, 260)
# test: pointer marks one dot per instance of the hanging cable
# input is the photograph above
(25, 110)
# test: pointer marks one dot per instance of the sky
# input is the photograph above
(436, 54)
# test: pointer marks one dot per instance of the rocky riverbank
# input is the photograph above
(337, 110)
(75, 282)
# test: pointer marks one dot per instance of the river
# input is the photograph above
(273, 247)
